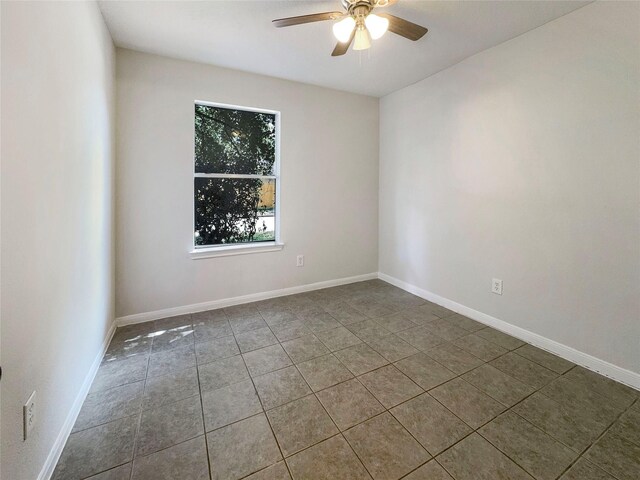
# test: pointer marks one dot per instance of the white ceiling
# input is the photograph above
(238, 34)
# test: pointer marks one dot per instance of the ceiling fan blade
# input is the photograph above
(341, 48)
(314, 17)
(404, 28)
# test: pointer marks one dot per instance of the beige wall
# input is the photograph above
(329, 151)
(523, 163)
(57, 217)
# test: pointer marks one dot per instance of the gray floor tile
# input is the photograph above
(372, 309)
(229, 404)
(278, 317)
(210, 329)
(421, 338)
(524, 370)
(321, 322)
(169, 425)
(467, 402)
(368, 330)
(123, 472)
(185, 461)
(173, 323)
(390, 386)
(424, 371)
(280, 387)
(616, 455)
(241, 311)
(476, 459)
(616, 392)
(435, 427)
(242, 448)
(255, 339)
(628, 426)
(338, 338)
(97, 449)
(574, 429)
(300, 424)
(396, 322)
(120, 372)
(266, 360)
(479, 347)
(437, 310)
(247, 324)
(361, 358)
(304, 348)
(429, 471)
(387, 450)
(499, 338)
(345, 314)
(329, 460)
(208, 316)
(585, 470)
(171, 361)
(546, 359)
(365, 324)
(221, 373)
(170, 388)
(277, 471)
(290, 330)
(454, 358)
(172, 338)
(498, 385)
(535, 451)
(392, 347)
(465, 323)
(222, 347)
(323, 372)
(581, 401)
(444, 329)
(349, 403)
(307, 310)
(108, 405)
(419, 315)
(133, 331)
(128, 345)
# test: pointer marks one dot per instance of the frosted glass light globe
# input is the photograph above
(342, 30)
(376, 25)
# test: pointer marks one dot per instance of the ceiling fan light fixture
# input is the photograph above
(342, 29)
(362, 40)
(376, 25)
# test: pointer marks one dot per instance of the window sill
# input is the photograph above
(229, 250)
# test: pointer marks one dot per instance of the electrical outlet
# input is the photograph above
(496, 286)
(300, 261)
(29, 414)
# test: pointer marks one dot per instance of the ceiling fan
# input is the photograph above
(358, 25)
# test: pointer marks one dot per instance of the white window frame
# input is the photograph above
(227, 249)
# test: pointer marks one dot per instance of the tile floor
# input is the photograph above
(353, 382)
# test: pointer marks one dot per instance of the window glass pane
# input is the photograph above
(234, 210)
(234, 141)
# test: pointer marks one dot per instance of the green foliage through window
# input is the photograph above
(240, 208)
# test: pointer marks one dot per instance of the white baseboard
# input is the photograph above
(607, 369)
(54, 455)
(228, 302)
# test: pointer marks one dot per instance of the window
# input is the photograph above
(236, 176)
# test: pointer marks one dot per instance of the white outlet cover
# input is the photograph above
(496, 286)
(300, 261)
(29, 414)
